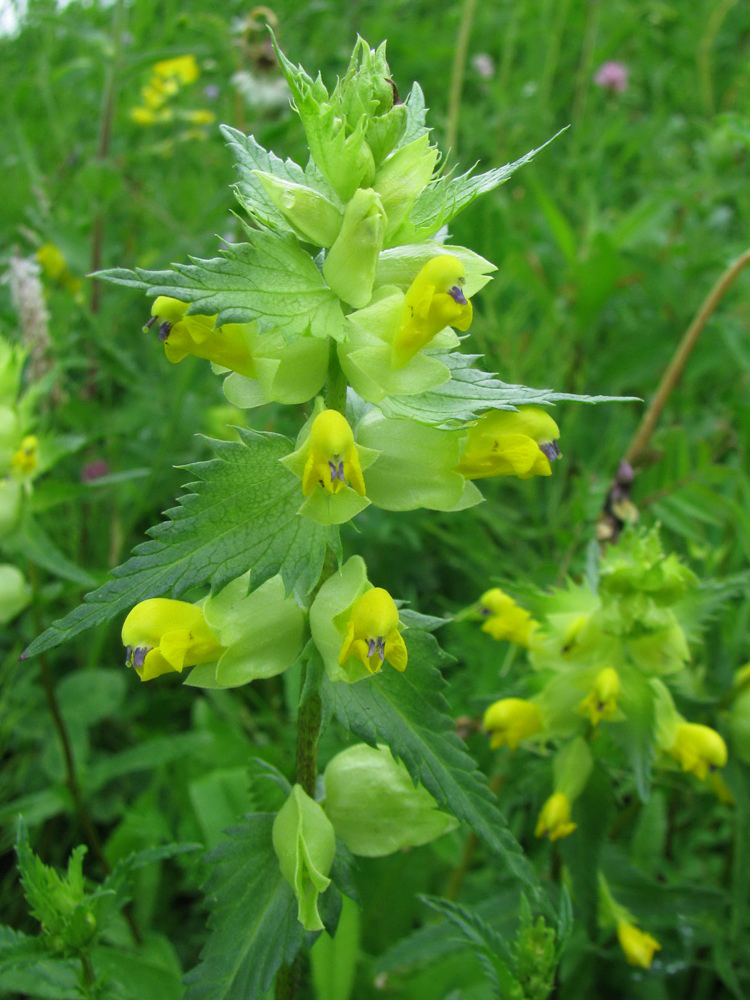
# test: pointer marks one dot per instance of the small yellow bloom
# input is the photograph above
(183, 69)
(698, 749)
(161, 635)
(518, 443)
(511, 720)
(554, 819)
(25, 460)
(199, 117)
(505, 619)
(333, 460)
(372, 634)
(434, 300)
(149, 116)
(638, 946)
(601, 702)
(181, 335)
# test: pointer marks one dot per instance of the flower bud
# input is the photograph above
(511, 720)
(504, 619)
(601, 702)
(312, 216)
(351, 263)
(554, 819)
(698, 749)
(402, 178)
(638, 946)
(374, 805)
(15, 593)
(11, 498)
(305, 844)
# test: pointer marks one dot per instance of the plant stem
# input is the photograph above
(458, 73)
(674, 370)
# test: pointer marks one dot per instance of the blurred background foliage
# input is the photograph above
(605, 247)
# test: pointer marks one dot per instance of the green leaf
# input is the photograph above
(407, 711)
(31, 542)
(243, 514)
(447, 196)
(469, 391)
(416, 116)
(17, 950)
(334, 960)
(253, 923)
(269, 279)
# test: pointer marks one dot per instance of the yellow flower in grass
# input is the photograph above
(182, 69)
(333, 460)
(698, 749)
(519, 443)
(181, 335)
(504, 619)
(601, 702)
(434, 300)
(554, 819)
(638, 946)
(25, 460)
(511, 720)
(372, 634)
(162, 635)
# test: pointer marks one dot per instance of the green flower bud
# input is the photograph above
(352, 261)
(11, 498)
(401, 179)
(313, 217)
(305, 844)
(15, 593)
(374, 805)
(572, 767)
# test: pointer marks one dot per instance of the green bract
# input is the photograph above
(305, 844)
(374, 805)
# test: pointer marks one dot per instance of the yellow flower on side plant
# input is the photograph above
(698, 749)
(372, 634)
(333, 459)
(519, 443)
(25, 459)
(181, 335)
(434, 300)
(504, 619)
(163, 635)
(638, 946)
(554, 819)
(511, 720)
(601, 702)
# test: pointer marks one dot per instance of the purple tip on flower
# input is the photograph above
(150, 323)
(139, 655)
(94, 470)
(458, 295)
(164, 331)
(128, 655)
(551, 450)
(612, 76)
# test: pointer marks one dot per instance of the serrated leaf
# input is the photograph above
(253, 923)
(407, 712)
(242, 515)
(445, 197)
(416, 116)
(269, 280)
(17, 949)
(470, 391)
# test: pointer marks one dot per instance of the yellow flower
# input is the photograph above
(601, 702)
(434, 300)
(333, 460)
(511, 720)
(199, 117)
(183, 69)
(698, 749)
(150, 116)
(518, 443)
(181, 335)
(372, 634)
(638, 946)
(505, 619)
(161, 635)
(25, 460)
(554, 819)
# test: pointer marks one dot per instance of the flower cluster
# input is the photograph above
(167, 79)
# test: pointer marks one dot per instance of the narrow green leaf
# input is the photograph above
(243, 514)
(469, 391)
(253, 923)
(407, 711)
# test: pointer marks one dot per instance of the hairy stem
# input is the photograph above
(458, 73)
(671, 376)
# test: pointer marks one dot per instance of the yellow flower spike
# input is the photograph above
(181, 335)
(638, 946)
(434, 300)
(333, 460)
(505, 619)
(601, 702)
(25, 460)
(519, 443)
(511, 720)
(698, 749)
(372, 632)
(162, 635)
(554, 819)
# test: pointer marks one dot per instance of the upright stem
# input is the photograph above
(458, 73)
